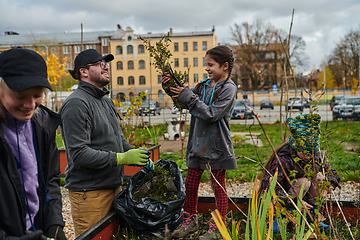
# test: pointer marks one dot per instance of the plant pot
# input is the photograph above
(63, 162)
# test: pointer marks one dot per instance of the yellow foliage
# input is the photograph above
(354, 86)
(329, 79)
(55, 69)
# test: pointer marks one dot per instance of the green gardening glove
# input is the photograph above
(138, 157)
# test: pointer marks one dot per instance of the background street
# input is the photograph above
(266, 116)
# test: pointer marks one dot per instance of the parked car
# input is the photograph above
(122, 110)
(150, 107)
(335, 100)
(348, 108)
(240, 111)
(299, 103)
(266, 103)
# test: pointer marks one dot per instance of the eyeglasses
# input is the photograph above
(102, 64)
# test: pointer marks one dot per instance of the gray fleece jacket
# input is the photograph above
(209, 135)
(92, 136)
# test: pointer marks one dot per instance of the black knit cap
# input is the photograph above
(22, 69)
(90, 56)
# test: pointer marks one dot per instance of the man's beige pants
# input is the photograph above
(87, 208)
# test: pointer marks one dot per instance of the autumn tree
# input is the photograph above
(344, 59)
(330, 81)
(56, 70)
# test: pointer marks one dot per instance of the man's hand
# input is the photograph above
(138, 157)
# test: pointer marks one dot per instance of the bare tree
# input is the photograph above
(297, 54)
(260, 56)
(344, 59)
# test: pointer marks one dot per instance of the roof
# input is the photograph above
(64, 38)
(182, 34)
(71, 38)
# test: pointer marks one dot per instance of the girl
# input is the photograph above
(29, 160)
(300, 155)
(210, 104)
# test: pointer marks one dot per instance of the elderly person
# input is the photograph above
(30, 198)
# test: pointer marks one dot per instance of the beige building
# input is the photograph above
(131, 71)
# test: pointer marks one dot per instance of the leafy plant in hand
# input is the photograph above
(160, 58)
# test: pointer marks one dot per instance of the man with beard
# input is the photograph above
(95, 146)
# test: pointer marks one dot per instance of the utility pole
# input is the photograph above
(324, 82)
(82, 38)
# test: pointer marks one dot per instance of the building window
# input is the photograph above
(105, 41)
(204, 75)
(176, 47)
(129, 38)
(176, 62)
(186, 62)
(142, 80)
(204, 45)
(159, 79)
(204, 63)
(270, 55)
(66, 49)
(90, 47)
(77, 49)
(194, 46)
(195, 61)
(141, 49)
(118, 50)
(196, 78)
(120, 81)
(130, 49)
(119, 65)
(130, 64)
(185, 46)
(141, 64)
(121, 96)
(131, 80)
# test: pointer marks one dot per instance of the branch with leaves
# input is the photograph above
(160, 58)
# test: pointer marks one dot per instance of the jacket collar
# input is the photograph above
(92, 90)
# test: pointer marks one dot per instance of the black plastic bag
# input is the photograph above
(149, 216)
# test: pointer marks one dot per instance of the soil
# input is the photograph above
(159, 185)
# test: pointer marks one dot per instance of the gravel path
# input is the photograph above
(349, 191)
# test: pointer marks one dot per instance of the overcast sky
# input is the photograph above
(321, 23)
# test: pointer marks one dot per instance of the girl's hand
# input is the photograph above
(176, 91)
(165, 79)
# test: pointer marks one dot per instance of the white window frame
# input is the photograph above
(77, 49)
(105, 42)
(66, 49)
